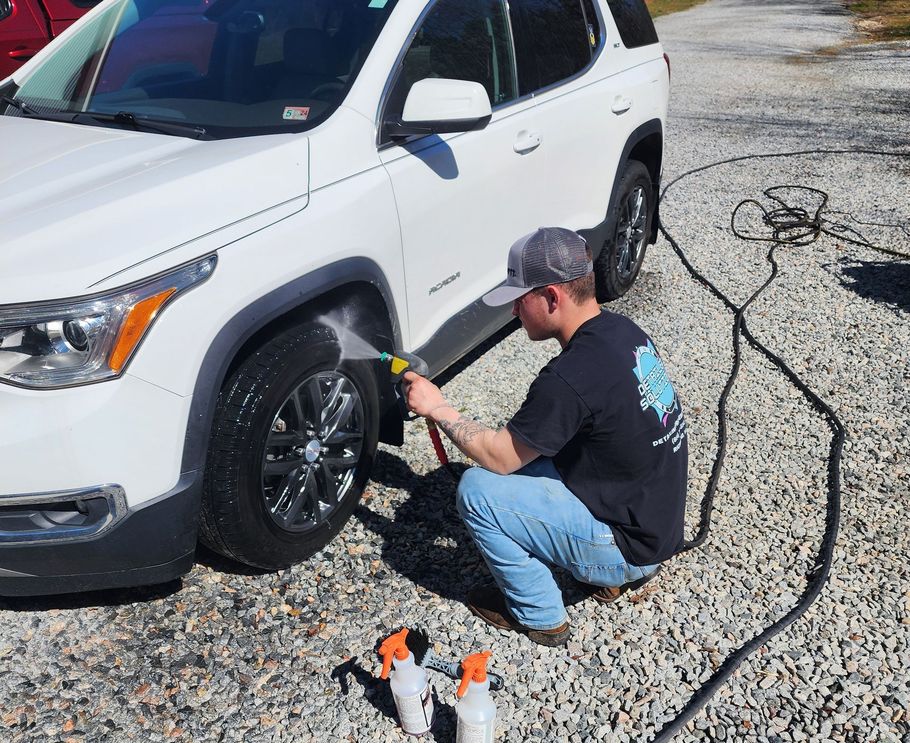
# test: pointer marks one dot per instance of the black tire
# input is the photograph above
(620, 260)
(263, 426)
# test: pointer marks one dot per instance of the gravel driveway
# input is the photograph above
(263, 657)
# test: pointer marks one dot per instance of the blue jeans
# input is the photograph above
(524, 521)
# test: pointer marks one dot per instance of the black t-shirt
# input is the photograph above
(606, 412)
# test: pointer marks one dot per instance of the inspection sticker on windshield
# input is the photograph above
(296, 113)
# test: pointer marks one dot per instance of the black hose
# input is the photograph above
(789, 226)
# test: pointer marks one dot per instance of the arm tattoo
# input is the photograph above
(463, 430)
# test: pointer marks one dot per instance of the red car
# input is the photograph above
(27, 25)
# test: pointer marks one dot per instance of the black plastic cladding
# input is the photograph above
(596, 236)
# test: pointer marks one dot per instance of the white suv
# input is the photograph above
(188, 187)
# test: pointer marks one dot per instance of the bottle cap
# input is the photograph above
(393, 645)
(475, 669)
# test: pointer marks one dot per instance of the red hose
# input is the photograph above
(437, 443)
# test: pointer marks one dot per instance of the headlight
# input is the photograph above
(76, 341)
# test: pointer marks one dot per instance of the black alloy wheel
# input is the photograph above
(292, 445)
(312, 451)
(621, 258)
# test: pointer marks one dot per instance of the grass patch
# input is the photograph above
(663, 7)
(883, 20)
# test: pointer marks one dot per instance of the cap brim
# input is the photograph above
(504, 295)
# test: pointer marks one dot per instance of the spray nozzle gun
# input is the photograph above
(401, 362)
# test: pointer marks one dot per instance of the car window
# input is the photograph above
(460, 40)
(232, 67)
(6, 9)
(593, 24)
(633, 22)
(553, 40)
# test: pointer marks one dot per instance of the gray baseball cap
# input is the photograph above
(549, 255)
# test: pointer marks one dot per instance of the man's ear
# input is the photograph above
(554, 298)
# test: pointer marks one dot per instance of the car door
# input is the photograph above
(63, 13)
(581, 104)
(462, 198)
(23, 32)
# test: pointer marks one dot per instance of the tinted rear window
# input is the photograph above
(634, 22)
(552, 41)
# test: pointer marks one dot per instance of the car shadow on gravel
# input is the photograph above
(91, 599)
(426, 541)
(887, 282)
(221, 564)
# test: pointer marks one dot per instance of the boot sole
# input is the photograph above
(632, 586)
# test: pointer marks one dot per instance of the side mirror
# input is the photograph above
(440, 106)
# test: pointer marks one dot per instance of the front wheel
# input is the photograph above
(292, 445)
(621, 258)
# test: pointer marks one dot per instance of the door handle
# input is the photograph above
(20, 55)
(526, 141)
(621, 104)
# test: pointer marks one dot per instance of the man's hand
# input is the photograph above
(498, 451)
(421, 395)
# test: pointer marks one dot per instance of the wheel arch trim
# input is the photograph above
(596, 236)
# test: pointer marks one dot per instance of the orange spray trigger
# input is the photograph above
(393, 645)
(475, 669)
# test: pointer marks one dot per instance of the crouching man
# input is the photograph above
(590, 473)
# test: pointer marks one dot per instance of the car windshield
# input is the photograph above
(225, 68)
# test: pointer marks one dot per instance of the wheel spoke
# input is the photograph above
(339, 418)
(332, 399)
(312, 494)
(299, 410)
(285, 491)
(300, 497)
(327, 483)
(282, 466)
(283, 439)
(635, 211)
(314, 402)
(343, 437)
(622, 262)
(343, 461)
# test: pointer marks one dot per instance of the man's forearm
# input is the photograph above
(473, 438)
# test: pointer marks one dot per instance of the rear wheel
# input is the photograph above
(292, 445)
(621, 258)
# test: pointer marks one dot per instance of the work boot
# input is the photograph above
(488, 603)
(609, 594)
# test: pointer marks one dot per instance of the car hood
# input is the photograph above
(81, 203)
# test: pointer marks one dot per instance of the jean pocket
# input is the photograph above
(600, 574)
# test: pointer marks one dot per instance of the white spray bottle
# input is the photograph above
(475, 710)
(410, 685)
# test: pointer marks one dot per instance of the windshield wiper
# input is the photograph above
(19, 105)
(125, 118)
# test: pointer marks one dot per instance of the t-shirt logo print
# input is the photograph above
(654, 385)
